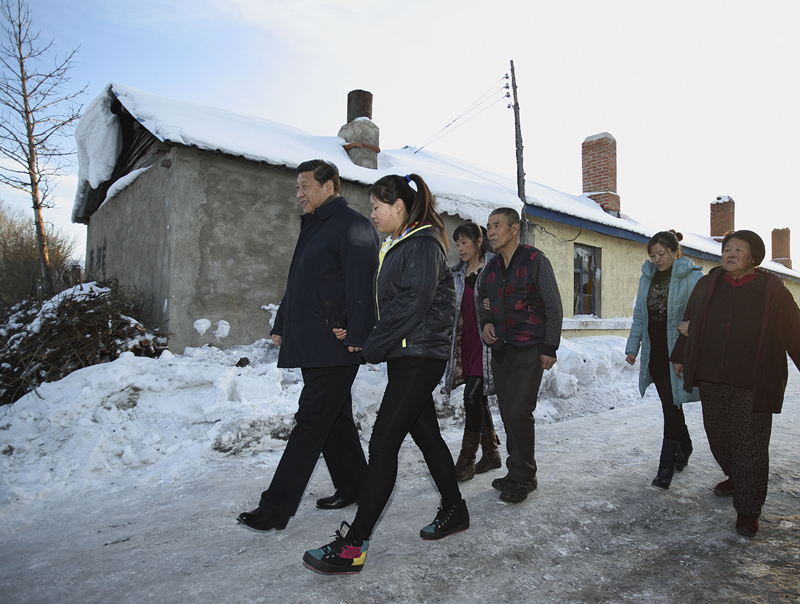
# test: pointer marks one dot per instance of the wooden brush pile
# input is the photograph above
(82, 326)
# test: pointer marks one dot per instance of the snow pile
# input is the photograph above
(26, 324)
(168, 418)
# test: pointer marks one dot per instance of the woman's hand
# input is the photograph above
(547, 362)
(488, 334)
(341, 334)
(683, 328)
(486, 304)
(277, 340)
(678, 369)
(631, 359)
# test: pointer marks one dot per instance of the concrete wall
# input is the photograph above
(209, 237)
(130, 237)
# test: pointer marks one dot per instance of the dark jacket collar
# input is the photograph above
(330, 206)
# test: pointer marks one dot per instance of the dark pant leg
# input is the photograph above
(674, 420)
(716, 421)
(411, 382)
(739, 441)
(517, 378)
(474, 403)
(750, 434)
(428, 438)
(325, 392)
(344, 455)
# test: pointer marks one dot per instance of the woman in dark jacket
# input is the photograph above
(415, 301)
(470, 359)
(742, 323)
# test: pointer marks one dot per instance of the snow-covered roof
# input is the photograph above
(460, 188)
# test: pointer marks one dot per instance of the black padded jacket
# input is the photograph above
(415, 300)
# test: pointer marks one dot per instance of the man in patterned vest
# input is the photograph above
(522, 325)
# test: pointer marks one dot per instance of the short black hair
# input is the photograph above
(512, 216)
(323, 172)
(756, 243)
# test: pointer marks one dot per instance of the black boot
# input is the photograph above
(666, 465)
(684, 451)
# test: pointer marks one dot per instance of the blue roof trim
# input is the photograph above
(606, 229)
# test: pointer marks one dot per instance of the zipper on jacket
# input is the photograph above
(381, 255)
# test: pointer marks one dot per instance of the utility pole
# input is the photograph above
(523, 235)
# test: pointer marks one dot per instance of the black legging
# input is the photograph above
(674, 421)
(407, 406)
(476, 405)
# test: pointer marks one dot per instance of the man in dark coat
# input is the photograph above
(329, 288)
(523, 328)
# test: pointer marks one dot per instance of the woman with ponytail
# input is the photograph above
(470, 359)
(666, 283)
(415, 304)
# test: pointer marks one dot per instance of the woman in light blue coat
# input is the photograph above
(666, 283)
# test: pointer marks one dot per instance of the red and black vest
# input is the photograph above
(516, 305)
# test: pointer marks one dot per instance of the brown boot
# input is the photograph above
(491, 457)
(465, 466)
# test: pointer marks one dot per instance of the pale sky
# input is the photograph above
(702, 96)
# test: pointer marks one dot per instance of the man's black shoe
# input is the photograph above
(501, 483)
(334, 502)
(517, 492)
(263, 520)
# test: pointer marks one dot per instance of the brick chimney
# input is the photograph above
(722, 215)
(780, 247)
(360, 132)
(599, 155)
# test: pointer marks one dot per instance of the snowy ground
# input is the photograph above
(122, 483)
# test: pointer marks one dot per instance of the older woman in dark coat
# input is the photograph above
(742, 323)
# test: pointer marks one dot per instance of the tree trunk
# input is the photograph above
(33, 173)
(41, 239)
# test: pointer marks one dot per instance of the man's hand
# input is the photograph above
(547, 362)
(340, 334)
(683, 328)
(276, 340)
(354, 348)
(631, 359)
(678, 369)
(488, 334)
(486, 304)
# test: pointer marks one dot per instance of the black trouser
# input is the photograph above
(739, 441)
(476, 405)
(324, 424)
(517, 376)
(674, 420)
(407, 407)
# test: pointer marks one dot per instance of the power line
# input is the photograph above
(435, 137)
(472, 108)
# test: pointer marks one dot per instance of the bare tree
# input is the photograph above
(36, 114)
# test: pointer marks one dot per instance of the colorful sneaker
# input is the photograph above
(345, 556)
(517, 492)
(448, 521)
